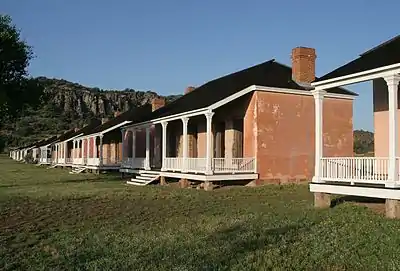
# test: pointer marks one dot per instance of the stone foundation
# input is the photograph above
(280, 181)
(322, 200)
(208, 186)
(392, 208)
(184, 183)
(162, 180)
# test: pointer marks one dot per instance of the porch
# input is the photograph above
(200, 146)
(94, 152)
(376, 177)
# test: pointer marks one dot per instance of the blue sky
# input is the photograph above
(165, 46)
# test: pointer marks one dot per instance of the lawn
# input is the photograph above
(54, 220)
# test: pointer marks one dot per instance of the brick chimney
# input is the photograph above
(157, 103)
(104, 120)
(117, 113)
(189, 89)
(303, 64)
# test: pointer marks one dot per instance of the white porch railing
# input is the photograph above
(234, 165)
(93, 161)
(68, 160)
(355, 169)
(219, 165)
(137, 162)
(44, 160)
(173, 164)
(196, 165)
(61, 161)
(111, 162)
(77, 161)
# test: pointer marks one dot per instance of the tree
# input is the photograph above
(15, 55)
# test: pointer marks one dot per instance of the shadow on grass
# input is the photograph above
(226, 247)
(94, 180)
(355, 199)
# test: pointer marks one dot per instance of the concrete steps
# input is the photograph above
(144, 178)
(77, 170)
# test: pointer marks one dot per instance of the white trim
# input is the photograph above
(358, 77)
(371, 192)
(232, 97)
(72, 138)
(108, 130)
(113, 127)
(189, 114)
(303, 92)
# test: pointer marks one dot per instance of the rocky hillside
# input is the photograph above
(68, 105)
(363, 142)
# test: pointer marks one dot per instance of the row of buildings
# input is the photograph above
(256, 124)
(266, 124)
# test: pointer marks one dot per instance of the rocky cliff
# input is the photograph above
(67, 105)
(81, 101)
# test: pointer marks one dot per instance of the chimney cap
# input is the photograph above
(303, 51)
(157, 102)
(189, 89)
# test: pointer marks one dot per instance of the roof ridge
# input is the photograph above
(380, 45)
(213, 80)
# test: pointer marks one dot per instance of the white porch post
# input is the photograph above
(94, 147)
(133, 145)
(393, 168)
(65, 151)
(164, 145)
(319, 141)
(185, 121)
(73, 149)
(101, 151)
(57, 152)
(123, 144)
(87, 148)
(209, 145)
(81, 148)
(147, 163)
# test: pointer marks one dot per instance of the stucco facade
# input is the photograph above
(280, 132)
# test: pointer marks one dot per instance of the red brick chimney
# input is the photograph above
(189, 89)
(303, 64)
(157, 103)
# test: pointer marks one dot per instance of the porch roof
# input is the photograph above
(385, 54)
(93, 123)
(46, 141)
(268, 74)
(133, 115)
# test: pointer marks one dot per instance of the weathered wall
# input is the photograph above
(285, 131)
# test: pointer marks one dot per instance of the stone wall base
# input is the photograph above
(184, 183)
(322, 200)
(282, 181)
(163, 181)
(392, 208)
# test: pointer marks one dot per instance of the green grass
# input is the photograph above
(50, 219)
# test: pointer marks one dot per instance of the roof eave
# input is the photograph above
(357, 77)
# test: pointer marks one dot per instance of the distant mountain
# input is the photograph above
(68, 105)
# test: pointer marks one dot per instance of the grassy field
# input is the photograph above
(54, 220)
